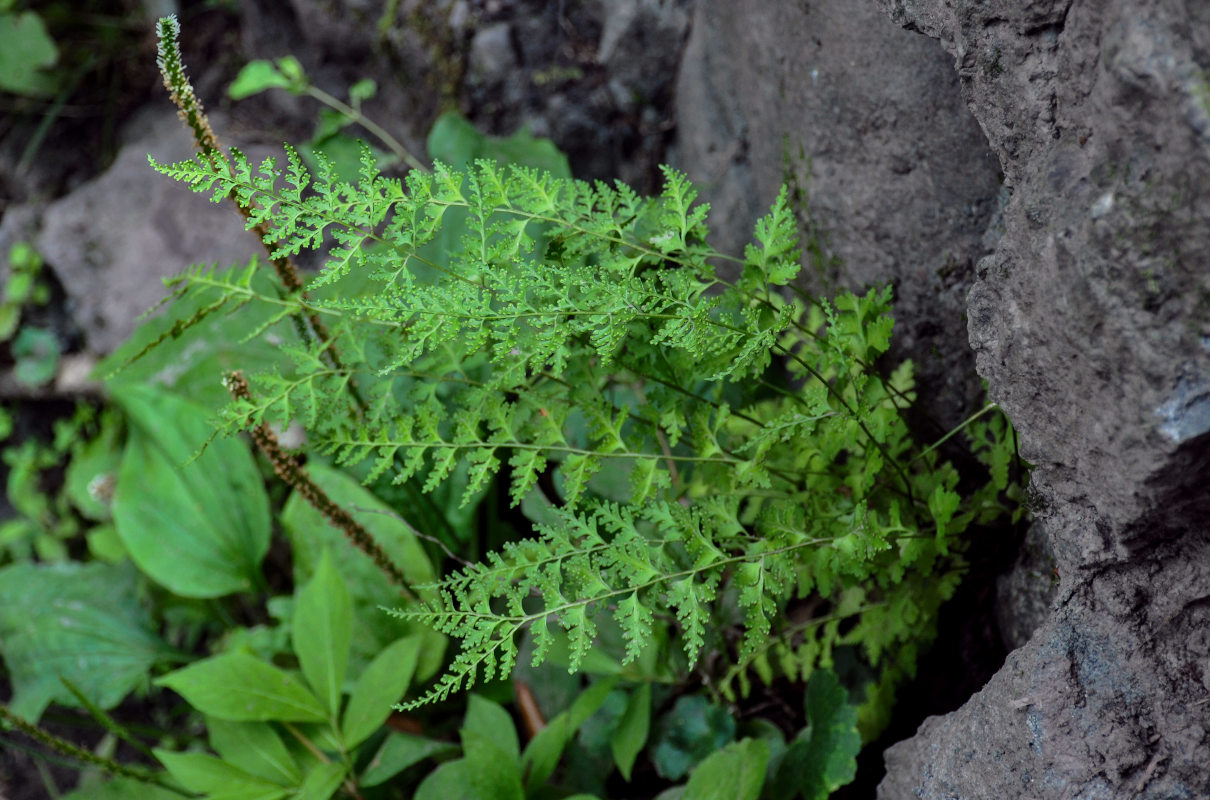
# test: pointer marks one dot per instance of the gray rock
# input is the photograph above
(492, 52)
(1088, 323)
(1026, 593)
(595, 76)
(113, 240)
(892, 178)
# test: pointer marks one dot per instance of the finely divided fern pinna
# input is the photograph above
(695, 433)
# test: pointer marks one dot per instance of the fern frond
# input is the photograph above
(711, 441)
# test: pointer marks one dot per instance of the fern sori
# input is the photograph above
(531, 326)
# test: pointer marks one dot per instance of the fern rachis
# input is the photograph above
(573, 329)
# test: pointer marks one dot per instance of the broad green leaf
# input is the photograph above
(322, 782)
(121, 789)
(238, 686)
(486, 773)
(691, 731)
(543, 752)
(631, 736)
(84, 622)
(398, 752)
(37, 353)
(104, 544)
(382, 684)
(257, 76)
(323, 623)
(192, 365)
(248, 793)
(203, 773)
(450, 781)
(255, 748)
(493, 723)
(201, 528)
(370, 590)
(455, 141)
(737, 772)
(95, 462)
(495, 773)
(824, 756)
(26, 49)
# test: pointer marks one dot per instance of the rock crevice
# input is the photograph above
(1089, 322)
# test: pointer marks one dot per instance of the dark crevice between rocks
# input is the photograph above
(1181, 503)
(968, 650)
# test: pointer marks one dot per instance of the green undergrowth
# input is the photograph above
(560, 491)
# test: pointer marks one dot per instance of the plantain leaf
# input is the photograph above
(201, 528)
(82, 622)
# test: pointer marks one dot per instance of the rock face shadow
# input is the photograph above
(1077, 136)
(1089, 322)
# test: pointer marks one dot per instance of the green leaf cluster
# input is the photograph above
(655, 464)
(693, 441)
(279, 733)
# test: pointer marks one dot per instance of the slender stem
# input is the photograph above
(77, 753)
(295, 474)
(393, 144)
(961, 426)
(108, 722)
(663, 442)
(180, 89)
(349, 785)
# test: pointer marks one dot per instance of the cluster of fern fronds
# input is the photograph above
(687, 443)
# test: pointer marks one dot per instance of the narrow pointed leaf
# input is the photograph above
(398, 752)
(379, 687)
(203, 773)
(322, 782)
(323, 623)
(631, 735)
(254, 747)
(238, 686)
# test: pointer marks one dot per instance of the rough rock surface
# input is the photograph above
(595, 76)
(1089, 314)
(891, 177)
(1091, 323)
(113, 240)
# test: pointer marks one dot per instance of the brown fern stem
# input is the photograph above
(290, 470)
(189, 109)
(77, 753)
